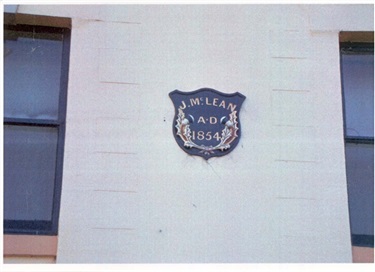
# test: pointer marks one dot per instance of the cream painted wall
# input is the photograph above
(130, 194)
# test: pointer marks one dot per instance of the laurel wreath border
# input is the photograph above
(228, 134)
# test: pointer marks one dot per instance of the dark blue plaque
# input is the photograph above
(206, 121)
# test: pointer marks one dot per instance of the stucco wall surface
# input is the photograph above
(130, 194)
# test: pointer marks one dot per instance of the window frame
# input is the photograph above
(39, 227)
(355, 48)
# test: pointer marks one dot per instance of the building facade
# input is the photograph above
(124, 192)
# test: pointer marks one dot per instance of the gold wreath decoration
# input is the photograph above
(228, 134)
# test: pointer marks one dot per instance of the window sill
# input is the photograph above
(363, 254)
(30, 245)
(29, 260)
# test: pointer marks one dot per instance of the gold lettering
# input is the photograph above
(215, 102)
(222, 104)
(201, 120)
(183, 105)
(194, 101)
(213, 120)
(232, 107)
(207, 103)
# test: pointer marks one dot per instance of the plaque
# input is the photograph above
(206, 121)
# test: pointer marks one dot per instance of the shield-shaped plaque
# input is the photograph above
(206, 121)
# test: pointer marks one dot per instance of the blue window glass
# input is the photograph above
(29, 172)
(358, 85)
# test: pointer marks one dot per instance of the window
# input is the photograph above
(357, 64)
(36, 60)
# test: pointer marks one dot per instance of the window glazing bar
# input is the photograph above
(359, 140)
(31, 122)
